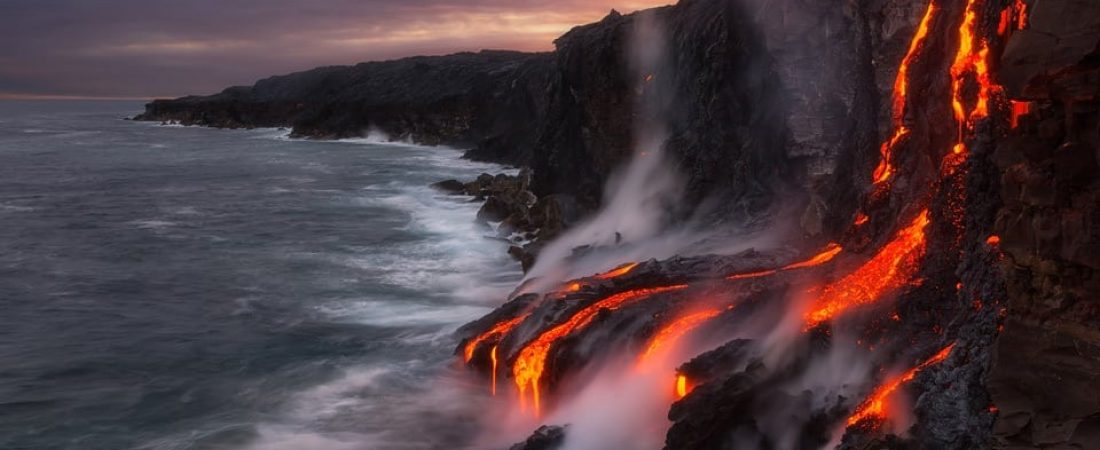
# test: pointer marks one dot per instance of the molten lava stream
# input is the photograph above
(499, 329)
(531, 361)
(681, 386)
(892, 267)
(971, 57)
(668, 336)
(875, 406)
(825, 256)
(885, 167)
(618, 271)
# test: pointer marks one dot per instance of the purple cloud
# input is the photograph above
(136, 48)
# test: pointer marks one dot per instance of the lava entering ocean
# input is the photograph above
(528, 368)
(896, 261)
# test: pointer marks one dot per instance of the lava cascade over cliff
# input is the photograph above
(900, 284)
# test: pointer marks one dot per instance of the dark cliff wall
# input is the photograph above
(1046, 373)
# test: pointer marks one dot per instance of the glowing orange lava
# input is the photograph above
(617, 272)
(681, 386)
(891, 268)
(493, 357)
(529, 365)
(1021, 14)
(861, 219)
(993, 240)
(1019, 109)
(497, 330)
(971, 58)
(672, 333)
(825, 256)
(885, 167)
(876, 405)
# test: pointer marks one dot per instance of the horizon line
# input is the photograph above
(60, 97)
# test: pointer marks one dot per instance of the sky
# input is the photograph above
(168, 48)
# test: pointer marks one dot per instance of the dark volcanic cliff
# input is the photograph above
(793, 102)
(485, 100)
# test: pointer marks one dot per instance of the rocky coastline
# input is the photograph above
(846, 116)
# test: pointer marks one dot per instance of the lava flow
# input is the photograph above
(531, 361)
(970, 59)
(888, 270)
(499, 329)
(617, 272)
(825, 256)
(875, 407)
(681, 386)
(885, 167)
(672, 333)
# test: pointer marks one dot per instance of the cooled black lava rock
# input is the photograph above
(545, 438)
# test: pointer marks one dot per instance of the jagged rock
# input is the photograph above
(547, 437)
(495, 209)
(453, 187)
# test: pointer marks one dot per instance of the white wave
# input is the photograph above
(393, 313)
(153, 224)
(9, 208)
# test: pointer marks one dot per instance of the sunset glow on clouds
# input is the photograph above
(131, 48)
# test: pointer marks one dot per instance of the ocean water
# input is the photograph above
(187, 288)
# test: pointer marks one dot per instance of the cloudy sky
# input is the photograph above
(155, 48)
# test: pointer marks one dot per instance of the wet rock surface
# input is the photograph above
(512, 212)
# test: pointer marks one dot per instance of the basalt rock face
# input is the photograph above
(724, 105)
(486, 101)
(1045, 378)
(1006, 284)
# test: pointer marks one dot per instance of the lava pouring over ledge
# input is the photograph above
(891, 268)
(499, 329)
(885, 167)
(875, 406)
(529, 365)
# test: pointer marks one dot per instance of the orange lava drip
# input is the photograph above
(672, 333)
(617, 272)
(1021, 14)
(528, 368)
(861, 219)
(888, 270)
(825, 256)
(497, 330)
(1005, 20)
(901, 89)
(1019, 109)
(993, 240)
(971, 57)
(493, 357)
(681, 386)
(876, 405)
